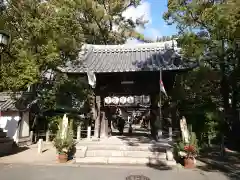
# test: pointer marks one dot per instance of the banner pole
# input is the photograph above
(160, 104)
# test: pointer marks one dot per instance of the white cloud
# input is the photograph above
(142, 11)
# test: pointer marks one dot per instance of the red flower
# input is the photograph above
(189, 148)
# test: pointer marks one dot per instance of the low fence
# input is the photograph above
(78, 135)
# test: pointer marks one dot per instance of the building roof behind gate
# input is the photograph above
(129, 58)
(18, 101)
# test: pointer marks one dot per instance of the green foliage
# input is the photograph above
(68, 93)
(103, 22)
(208, 32)
(197, 97)
(181, 146)
(54, 124)
(64, 145)
(46, 35)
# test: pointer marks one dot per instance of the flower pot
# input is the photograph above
(62, 158)
(189, 162)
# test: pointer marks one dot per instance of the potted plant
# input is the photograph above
(64, 143)
(187, 152)
(189, 158)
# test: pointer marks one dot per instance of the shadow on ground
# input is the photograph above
(140, 137)
(15, 150)
(229, 164)
(159, 166)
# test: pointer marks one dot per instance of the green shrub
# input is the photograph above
(65, 144)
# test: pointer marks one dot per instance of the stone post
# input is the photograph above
(170, 133)
(40, 145)
(89, 132)
(31, 136)
(79, 132)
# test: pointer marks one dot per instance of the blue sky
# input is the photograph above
(152, 10)
(157, 8)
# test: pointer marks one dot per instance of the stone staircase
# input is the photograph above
(6, 144)
(116, 151)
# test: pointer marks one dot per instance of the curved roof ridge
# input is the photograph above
(155, 45)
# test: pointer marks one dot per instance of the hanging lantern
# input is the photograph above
(108, 100)
(123, 100)
(146, 99)
(137, 99)
(130, 100)
(115, 100)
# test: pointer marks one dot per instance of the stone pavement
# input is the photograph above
(29, 155)
(36, 172)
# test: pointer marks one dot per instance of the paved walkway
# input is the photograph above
(31, 172)
(30, 155)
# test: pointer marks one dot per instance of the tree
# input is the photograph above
(47, 34)
(208, 31)
(44, 36)
(102, 21)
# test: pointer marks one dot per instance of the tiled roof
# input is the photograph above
(9, 102)
(129, 58)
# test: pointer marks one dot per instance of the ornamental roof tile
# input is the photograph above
(129, 58)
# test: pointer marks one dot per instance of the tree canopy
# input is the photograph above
(48, 34)
(209, 32)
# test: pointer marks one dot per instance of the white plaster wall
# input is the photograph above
(24, 127)
(9, 124)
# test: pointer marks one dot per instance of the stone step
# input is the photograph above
(125, 161)
(153, 148)
(125, 153)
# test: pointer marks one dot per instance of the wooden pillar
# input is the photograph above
(97, 120)
(47, 136)
(104, 125)
(153, 115)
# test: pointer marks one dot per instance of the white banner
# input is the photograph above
(91, 79)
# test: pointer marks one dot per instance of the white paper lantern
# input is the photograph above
(137, 99)
(115, 100)
(123, 100)
(108, 100)
(130, 100)
(146, 99)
